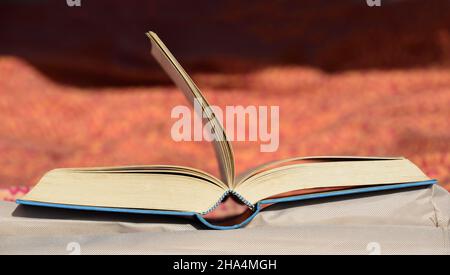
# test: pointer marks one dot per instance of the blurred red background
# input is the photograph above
(78, 86)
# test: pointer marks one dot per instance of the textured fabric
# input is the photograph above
(12, 193)
(412, 221)
(45, 125)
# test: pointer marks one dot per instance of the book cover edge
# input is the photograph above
(257, 208)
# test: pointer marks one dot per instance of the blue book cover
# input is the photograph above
(257, 207)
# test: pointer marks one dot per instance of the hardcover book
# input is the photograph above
(185, 191)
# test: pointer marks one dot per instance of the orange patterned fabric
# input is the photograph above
(46, 124)
(12, 193)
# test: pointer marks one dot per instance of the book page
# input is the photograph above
(137, 189)
(224, 151)
(241, 178)
(350, 173)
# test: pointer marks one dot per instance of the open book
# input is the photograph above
(184, 191)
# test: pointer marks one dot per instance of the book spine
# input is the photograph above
(244, 200)
(228, 192)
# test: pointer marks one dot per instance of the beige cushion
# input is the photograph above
(410, 221)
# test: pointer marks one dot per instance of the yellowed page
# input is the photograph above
(273, 164)
(328, 174)
(156, 168)
(168, 62)
(126, 190)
